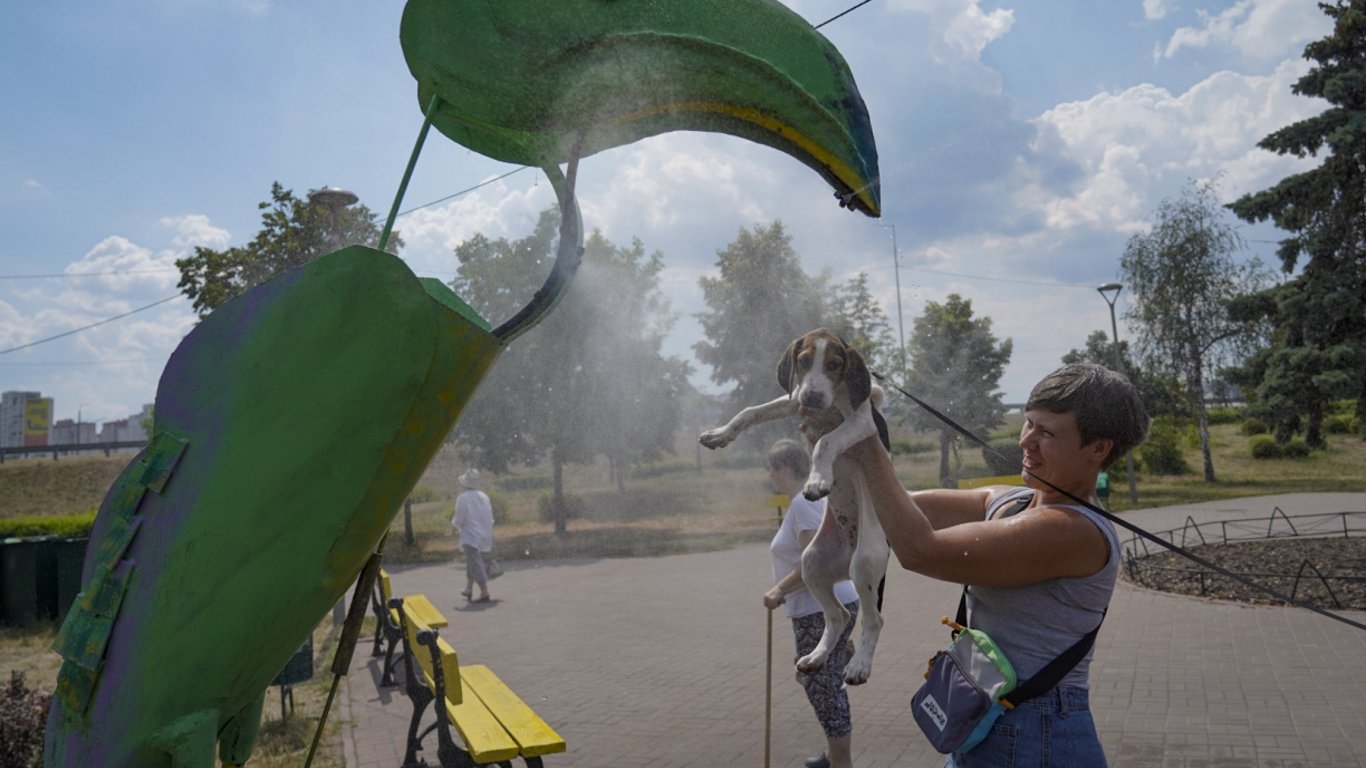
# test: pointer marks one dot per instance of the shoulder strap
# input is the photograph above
(1055, 670)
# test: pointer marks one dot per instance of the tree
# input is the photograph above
(591, 379)
(956, 366)
(1318, 350)
(1161, 394)
(759, 303)
(857, 318)
(293, 233)
(1183, 275)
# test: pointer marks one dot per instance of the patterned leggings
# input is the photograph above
(825, 689)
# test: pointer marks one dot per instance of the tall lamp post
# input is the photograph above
(334, 199)
(1110, 292)
(900, 326)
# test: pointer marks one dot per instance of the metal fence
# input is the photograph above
(9, 453)
(1278, 525)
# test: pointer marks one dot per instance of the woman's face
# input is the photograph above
(780, 477)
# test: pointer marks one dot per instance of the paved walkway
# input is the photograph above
(659, 663)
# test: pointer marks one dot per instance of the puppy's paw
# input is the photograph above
(816, 488)
(716, 438)
(812, 662)
(858, 670)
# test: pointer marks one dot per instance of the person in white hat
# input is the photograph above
(474, 521)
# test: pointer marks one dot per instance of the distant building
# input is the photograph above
(24, 419)
(68, 432)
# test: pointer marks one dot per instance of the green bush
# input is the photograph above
(1004, 457)
(1264, 447)
(1297, 448)
(57, 525)
(658, 468)
(573, 507)
(422, 494)
(1161, 453)
(1226, 414)
(1343, 424)
(910, 447)
(525, 482)
(1254, 426)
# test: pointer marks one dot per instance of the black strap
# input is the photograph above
(1053, 672)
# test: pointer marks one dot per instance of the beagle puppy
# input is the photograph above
(830, 379)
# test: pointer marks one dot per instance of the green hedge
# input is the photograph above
(1264, 447)
(1254, 426)
(56, 525)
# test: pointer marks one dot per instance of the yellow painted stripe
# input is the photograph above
(842, 171)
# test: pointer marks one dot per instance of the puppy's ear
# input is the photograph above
(856, 377)
(787, 364)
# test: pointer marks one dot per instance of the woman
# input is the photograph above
(474, 521)
(788, 466)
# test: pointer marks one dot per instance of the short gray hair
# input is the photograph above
(790, 453)
(1106, 404)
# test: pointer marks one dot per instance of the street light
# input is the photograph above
(900, 326)
(334, 199)
(1110, 292)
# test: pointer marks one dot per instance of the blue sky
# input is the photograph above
(1021, 145)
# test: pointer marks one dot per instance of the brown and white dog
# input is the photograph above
(830, 379)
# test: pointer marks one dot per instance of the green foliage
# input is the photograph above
(1161, 453)
(591, 382)
(501, 507)
(1318, 315)
(1253, 426)
(1004, 457)
(1183, 274)
(1264, 447)
(857, 317)
(65, 526)
(1295, 448)
(23, 720)
(525, 482)
(1226, 414)
(658, 468)
(911, 447)
(573, 507)
(1344, 424)
(1161, 394)
(422, 495)
(293, 233)
(757, 304)
(958, 364)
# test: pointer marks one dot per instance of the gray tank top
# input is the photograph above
(1034, 624)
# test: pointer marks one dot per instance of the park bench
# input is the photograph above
(494, 724)
(388, 628)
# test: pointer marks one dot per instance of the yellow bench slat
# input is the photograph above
(532, 733)
(484, 737)
(450, 664)
(425, 612)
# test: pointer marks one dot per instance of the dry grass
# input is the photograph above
(71, 485)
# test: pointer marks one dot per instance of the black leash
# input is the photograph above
(1118, 521)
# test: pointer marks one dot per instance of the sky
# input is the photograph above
(1021, 145)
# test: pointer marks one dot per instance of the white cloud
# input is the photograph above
(1258, 29)
(1140, 143)
(1154, 9)
(195, 229)
(960, 27)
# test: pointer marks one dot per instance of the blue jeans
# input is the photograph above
(1054, 730)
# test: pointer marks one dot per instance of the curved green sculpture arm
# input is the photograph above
(531, 82)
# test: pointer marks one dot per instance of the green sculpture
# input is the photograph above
(294, 420)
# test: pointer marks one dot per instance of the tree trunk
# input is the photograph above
(557, 501)
(946, 479)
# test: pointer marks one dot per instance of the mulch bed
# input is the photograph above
(1273, 562)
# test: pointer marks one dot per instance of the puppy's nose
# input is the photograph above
(814, 400)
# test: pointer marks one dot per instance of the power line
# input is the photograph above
(87, 327)
(465, 191)
(841, 13)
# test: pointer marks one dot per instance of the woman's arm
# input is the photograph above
(948, 538)
(777, 594)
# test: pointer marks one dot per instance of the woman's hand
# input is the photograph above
(774, 598)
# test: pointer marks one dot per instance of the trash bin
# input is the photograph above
(45, 574)
(19, 569)
(70, 562)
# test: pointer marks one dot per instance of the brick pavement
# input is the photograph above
(658, 663)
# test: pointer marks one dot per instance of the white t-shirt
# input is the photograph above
(802, 515)
(474, 518)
